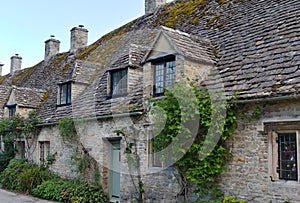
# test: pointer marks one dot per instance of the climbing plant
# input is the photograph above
(86, 166)
(17, 127)
(214, 119)
(133, 159)
(67, 130)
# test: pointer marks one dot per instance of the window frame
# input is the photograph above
(67, 99)
(114, 83)
(44, 154)
(12, 109)
(164, 61)
(285, 138)
(273, 130)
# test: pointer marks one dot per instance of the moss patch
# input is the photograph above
(3, 78)
(56, 61)
(23, 75)
(112, 35)
(191, 11)
(65, 69)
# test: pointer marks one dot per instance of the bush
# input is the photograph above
(9, 176)
(7, 155)
(23, 177)
(55, 190)
(70, 191)
(32, 177)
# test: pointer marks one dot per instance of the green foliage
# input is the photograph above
(23, 177)
(8, 177)
(67, 129)
(206, 157)
(82, 161)
(31, 177)
(70, 191)
(231, 199)
(15, 127)
(7, 155)
(228, 199)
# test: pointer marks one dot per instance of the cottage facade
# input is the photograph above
(105, 87)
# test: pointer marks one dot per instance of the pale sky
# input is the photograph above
(26, 25)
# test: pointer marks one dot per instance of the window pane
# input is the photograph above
(12, 111)
(69, 98)
(164, 76)
(119, 82)
(66, 93)
(63, 94)
(287, 156)
(42, 152)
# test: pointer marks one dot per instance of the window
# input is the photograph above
(20, 149)
(44, 151)
(65, 95)
(11, 110)
(287, 156)
(164, 75)
(119, 82)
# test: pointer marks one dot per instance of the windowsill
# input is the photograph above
(115, 96)
(286, 182)
(62, 105)
(159, 95)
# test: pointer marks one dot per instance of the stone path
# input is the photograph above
(10, 197)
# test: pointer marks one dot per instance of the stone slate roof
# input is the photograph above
(190, 46)
(257, 42)
(5, 91)
(256, 45)
(28, 97)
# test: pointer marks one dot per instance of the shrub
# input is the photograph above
(7, 155)
(9, 176)
(23, 177)
(55, 190)
(70, 191)
(32, 177)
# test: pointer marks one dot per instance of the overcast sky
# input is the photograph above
(26, 25)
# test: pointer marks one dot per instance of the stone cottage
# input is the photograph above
(250, 47)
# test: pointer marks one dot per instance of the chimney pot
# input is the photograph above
(15, 63)
(79, 38)
(1, 67)
(51, 47)
(151, 5)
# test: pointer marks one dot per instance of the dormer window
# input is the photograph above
(164, 75)
(119, 82)
(65, 94)
(11, 110)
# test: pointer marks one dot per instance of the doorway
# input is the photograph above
(114, 172)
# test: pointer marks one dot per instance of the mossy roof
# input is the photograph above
(256, 45)
(5, 91)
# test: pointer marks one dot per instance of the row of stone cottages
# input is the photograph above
(109, 82)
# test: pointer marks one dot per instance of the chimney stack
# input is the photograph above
(51, 47)
(15, 63)
(79, 38)
(151, 5)
(1, 66)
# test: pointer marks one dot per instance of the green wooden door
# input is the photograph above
(114, 178)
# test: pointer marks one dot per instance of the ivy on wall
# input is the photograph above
(86, 166)
(17, 127)
(206, 157)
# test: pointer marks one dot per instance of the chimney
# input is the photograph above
(51, 47)
(15, 63)
(151, 5)
(1, 66)
(79, 38)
